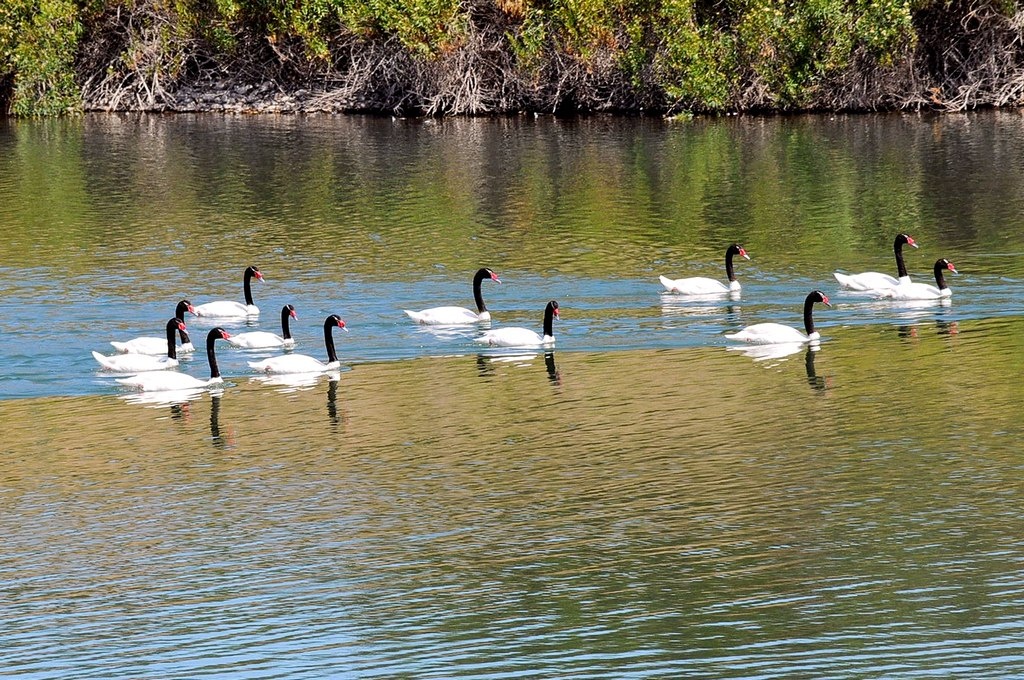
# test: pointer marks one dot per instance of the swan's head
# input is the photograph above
(185, 305)
(905, 238)
(493, 275)
(291, 312)
(218, 333)
(253, 271)
(737, 249)
(946, 264)
(181, 326)
(335, 320)
(554, 308)
(818, 296)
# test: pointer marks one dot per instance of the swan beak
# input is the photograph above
(181, 326)
(824, 301)
(744, 254)
(911, 242)
(951, 268)
(294, 314)
(192, 311)
(225, 335)
(342, 326)
(494, 277)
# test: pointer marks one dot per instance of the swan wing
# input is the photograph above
(134, 363)
(695, 285)
(444, 316)
(767, 333)
(226, 309)
(159, 381)
(866, 281)
(256, 339)
(914, 291)
(291, 363)
(513, 337)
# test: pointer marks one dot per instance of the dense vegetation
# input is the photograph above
(480, 56)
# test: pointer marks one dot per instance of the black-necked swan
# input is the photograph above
(136, 363)
(523, 337)
(877, 280)
(159, 381)
(452, 316)
(923, 291)
(261, 339)
(702, 285)
(303, 363)
(227, 309)
(771, 333)
(155, 345)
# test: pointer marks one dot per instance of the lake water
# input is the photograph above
(643, 501)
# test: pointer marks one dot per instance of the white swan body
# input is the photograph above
(229, 309)
(137, 363)
(155, 345)
(454, 316)
(772, 333)
(134, 363)
(265, 339)
(447, 316)
(702, 285)
(923, 291)
(876, 280)
(513, 336)
(303, 363)
(148, 345)
(160, 381)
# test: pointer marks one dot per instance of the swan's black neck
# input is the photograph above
(481, 274)
(897, 248)
(172, 326)
(549, 319)
(247, 285)
(728, 263)
(286, 331)
(808, 318)
(211, 356)
(179, 314)
(329, 325)
(940, 275)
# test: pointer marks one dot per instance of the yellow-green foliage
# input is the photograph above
(38, 39)
(700, 54)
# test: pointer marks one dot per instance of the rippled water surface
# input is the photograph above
(647, 500)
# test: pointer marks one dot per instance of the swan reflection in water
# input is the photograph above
(673, 305)
(942, 327)
(486, 364)
(179, 399)
(778, 350)
(221, 440)
(295, 382)
(817, 382)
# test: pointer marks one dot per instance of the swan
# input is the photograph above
(259, 339)
(771, 333)
(303, 363)
(702, 285)
(877, 280)
(159, 381)
(523, 337)
(230, 308)
(136, 363)
(922, 291)
(154, 345)
(458, 315)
